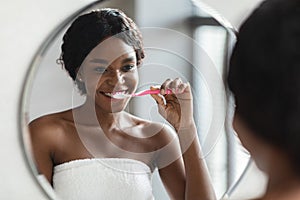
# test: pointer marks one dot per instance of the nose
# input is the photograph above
(116, 78)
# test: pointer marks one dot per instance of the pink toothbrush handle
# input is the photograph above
(145, 92)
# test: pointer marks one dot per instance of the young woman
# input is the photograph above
(98, 150)
(264, 77)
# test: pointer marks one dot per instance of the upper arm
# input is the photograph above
(170, 165)
(41, 135)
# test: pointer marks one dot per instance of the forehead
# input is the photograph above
(111, 49)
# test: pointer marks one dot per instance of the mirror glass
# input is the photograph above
(185, 39)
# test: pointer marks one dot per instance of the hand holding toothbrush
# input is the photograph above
(178, 110)
(175, 106)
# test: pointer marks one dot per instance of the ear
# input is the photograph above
(79, 74)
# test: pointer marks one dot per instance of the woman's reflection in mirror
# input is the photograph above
(98, 150)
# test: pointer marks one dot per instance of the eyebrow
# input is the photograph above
(129, 59)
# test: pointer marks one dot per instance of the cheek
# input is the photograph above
(242, 134)
(253, 145)
(92, 82)
(132, 79)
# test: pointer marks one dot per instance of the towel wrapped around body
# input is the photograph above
(103, 178)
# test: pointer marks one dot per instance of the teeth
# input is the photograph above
(108, 94)
(115, 93)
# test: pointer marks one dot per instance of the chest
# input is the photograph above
(90, 142)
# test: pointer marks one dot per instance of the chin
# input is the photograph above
(117, 110)
(113, 108)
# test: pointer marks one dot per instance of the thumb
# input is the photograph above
(159, 99)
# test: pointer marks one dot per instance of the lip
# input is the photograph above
(109, 95)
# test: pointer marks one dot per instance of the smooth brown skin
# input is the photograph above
(178, 110)
(283, 181)
(55, 139)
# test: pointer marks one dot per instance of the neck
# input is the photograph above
(89, 114)
(283, 179)
(288, 189)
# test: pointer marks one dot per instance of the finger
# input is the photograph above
(184, 91)
(159, 100)
(181, 88)
(188, 88)
(155, 87)
(174, 85)
(165, 86)
(163, 98)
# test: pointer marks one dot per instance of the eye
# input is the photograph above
(100, 70)
(128, 68)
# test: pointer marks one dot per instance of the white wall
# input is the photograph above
(24, 25)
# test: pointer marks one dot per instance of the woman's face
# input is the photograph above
(111, 67)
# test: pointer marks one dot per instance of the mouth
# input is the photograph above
(116, 94)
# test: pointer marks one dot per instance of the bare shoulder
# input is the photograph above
(48, 127)
(162, 133)
(46, 122)
(164, 129)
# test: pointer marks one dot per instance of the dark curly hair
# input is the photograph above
(264, 74)
(88, 30)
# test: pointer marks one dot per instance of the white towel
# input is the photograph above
(103, 178)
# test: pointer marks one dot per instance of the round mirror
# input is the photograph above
(187, 40)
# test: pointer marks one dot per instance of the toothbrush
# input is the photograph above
(138, 94)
